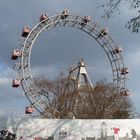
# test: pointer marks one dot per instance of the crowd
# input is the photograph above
(7, 135)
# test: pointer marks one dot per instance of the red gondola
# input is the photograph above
(104, 32)
(29, 110)
(15, 54)
(43, 17)
(117, 50)
(16, 83)
(26, 31)
(85, 20)
(125, 93)
(124, 71)
(65, 14)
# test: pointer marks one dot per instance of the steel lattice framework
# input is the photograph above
(35, 96)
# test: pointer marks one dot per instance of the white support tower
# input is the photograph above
(80, 75)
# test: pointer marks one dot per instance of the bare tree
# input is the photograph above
(59, 95)
(66, 101)
(113, 6)
(107, 102)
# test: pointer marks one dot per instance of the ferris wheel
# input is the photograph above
(65, 19)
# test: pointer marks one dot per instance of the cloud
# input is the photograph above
(4, 80)
(134, 58)
(7, 92)
(11, 112)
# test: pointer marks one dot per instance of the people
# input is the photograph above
(11, 136)
(116, 133)
(104, 131)
(3, 132)
(21, 138)
(134, 134)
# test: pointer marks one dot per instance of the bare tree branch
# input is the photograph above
(66, 101)
(111, 6)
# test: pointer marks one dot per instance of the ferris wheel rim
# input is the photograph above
(25, 85)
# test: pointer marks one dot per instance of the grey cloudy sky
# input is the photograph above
(50, 57)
